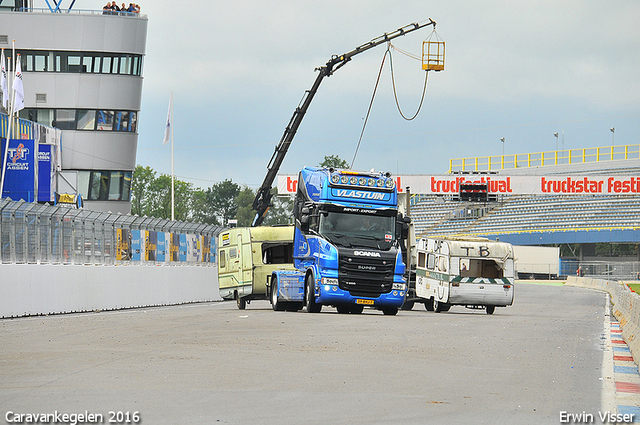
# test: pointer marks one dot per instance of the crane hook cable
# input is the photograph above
(424, 90)
(395, 93)
(370, 106)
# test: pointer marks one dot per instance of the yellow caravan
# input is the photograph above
(246, 258)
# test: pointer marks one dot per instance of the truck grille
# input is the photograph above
(366, 276)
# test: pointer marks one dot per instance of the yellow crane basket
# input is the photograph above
(433, 53)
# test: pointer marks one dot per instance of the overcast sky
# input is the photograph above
(515, 70)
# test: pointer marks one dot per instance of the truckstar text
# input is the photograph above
(453, 186)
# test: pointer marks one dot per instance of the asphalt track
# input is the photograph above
(212, 363)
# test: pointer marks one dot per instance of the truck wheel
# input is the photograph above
(276, 304)
(343, 309)
(428, 304)
(356, 309)
(408, 305)
(310, 297)
(293, 306)
(491, 309)
(390, 311)
(241, 302)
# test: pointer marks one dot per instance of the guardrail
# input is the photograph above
(626, 307)
(32, 233)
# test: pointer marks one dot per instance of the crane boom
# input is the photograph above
(262, 200)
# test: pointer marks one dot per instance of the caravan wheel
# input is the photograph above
(438, 306)
(491, 309)
(241, 302)
(428, 304)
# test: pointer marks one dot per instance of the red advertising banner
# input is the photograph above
(449, 184)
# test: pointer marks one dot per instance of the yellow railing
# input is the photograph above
(541, 159)
(23, 129)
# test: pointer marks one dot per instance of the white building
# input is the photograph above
(82, 73)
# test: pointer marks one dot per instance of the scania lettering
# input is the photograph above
(344, 256)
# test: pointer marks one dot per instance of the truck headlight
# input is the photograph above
(398, 286)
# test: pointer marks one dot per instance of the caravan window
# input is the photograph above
(279, 253)
(431, 261)
(223, 259)
(421, 259)
(480, 268)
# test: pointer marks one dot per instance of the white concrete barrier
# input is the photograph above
(626, 308)
(36, 289)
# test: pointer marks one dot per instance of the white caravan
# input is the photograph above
(468, 271)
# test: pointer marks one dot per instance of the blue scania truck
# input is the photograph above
(348, 231)
(346, 247)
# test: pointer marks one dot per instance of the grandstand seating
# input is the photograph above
(544, 214)
(526, 214)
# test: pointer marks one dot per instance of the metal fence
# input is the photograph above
(32, 233)
(611, 270)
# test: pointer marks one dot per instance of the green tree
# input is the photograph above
(244, 201)
(334, 161)
(202, 207)
(140, 195)
(216, 204)
(151, 195)
(281, 209)
(161, 200)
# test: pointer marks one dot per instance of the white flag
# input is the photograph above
(167, 130)
(18, 88)
(3, 82)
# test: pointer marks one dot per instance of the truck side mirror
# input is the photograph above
(304, 218)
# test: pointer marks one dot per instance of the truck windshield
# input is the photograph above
(358, 230)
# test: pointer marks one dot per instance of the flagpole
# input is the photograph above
(10, 124)
(172, 174)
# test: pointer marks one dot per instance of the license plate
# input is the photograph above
(365, 302)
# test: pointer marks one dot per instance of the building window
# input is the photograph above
(65, 119)
(105, 185)
(115, 186)
(84, 119)
(80, 62)
(105, 120)
(106, 65)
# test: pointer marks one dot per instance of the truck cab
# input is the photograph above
(346, 251)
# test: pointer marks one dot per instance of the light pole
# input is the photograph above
(556, 134)
(613, 133)
(502, 140)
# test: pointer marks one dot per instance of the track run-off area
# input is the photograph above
(547, 355)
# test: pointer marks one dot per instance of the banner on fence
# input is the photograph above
(499, 184)
(183, 248)
(20, 177)
(46, 173)
(123, 247)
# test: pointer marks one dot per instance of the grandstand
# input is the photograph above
(575, 222)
